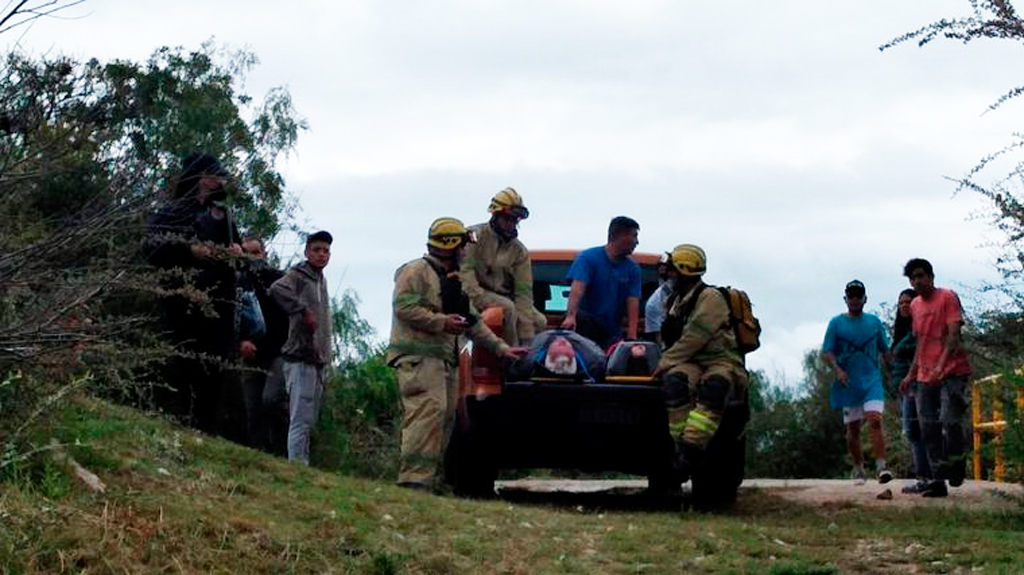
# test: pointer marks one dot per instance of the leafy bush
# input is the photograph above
(794, 432)
(360, 420)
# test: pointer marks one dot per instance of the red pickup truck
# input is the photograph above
(618, 424)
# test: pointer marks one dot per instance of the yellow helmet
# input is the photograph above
(448, 234)
(689, 260)
(510, 202)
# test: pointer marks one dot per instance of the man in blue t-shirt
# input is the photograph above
(855, 343)
(606, 284)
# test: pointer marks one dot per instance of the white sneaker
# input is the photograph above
(858, 476)
(884, 476)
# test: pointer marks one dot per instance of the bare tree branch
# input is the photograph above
(27, 11)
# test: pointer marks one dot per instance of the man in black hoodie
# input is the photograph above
(266, 403)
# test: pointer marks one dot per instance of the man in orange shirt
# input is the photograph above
(942, 372)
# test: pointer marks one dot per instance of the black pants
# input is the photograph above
(266, 408)
(942, 413)
(193, 393)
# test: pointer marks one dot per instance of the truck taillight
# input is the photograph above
(486, 367)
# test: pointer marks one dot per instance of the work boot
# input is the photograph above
(688, 458)
(680, 465)
(915, 488)
(935, 488)
(957, 473)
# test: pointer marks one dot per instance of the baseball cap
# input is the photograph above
(855, 286)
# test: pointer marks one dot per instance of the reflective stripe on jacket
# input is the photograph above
(707, 339)
(417, 324)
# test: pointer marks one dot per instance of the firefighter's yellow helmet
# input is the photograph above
(448, 234)
(689, 260)
(508, 201)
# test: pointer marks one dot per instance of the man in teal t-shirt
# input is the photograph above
(855, 344)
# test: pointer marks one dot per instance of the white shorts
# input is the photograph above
(851, 414)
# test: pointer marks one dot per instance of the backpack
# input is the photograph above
(252, 325)
(741, 316)
(745, 326)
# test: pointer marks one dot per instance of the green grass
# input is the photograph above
(178, 501)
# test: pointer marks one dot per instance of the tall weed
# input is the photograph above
(360, 421)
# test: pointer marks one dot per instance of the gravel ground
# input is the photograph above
(820, 492)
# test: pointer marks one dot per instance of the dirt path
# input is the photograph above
(817, 492)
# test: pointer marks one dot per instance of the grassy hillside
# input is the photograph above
(178, 501)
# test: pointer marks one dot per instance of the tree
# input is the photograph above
(353, 335)
(788, 427)
(86, 150)
(991, 20)
(996, 339)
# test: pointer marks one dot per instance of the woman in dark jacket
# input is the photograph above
(903, 347)
(193, 231)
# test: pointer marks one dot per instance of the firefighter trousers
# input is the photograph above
(428, 386)
(694, 413)
(519, 328)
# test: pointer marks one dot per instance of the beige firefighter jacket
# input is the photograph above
(305, 288)
(707, 340)
(417, 324)
(492, 266)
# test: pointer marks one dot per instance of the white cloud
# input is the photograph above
(783, 349)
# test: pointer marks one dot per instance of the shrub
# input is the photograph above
(360, 420)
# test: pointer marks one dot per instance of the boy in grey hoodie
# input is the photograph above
(302, 294)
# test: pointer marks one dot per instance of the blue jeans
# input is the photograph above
(941, 410)
(912, 431)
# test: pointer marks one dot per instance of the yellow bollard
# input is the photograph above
(996, 425)
(975, 426)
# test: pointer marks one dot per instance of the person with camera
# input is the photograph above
(431, 312)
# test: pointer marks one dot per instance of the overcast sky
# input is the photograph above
(774, 134)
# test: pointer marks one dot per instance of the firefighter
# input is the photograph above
(496, 270)
(431, 312)
(701, 367)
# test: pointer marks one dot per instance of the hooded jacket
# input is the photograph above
(305, 288)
